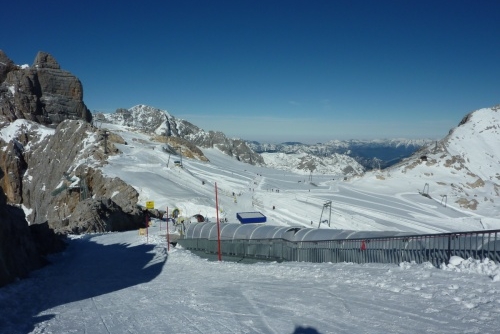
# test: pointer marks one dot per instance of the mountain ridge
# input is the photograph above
(153, 120)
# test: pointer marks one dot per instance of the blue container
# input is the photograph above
(250, 217)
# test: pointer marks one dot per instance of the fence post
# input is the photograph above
(448, 253)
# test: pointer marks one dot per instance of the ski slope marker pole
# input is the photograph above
(168, 237)
(218, 223)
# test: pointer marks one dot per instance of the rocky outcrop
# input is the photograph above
(12, 160)
(120, 200)
(52, 162)
(177, 145)
(50, 175)
(18, 254)
(22, 248)
(99, 215)
(236, 148)
(42, 92)
(6, 66)
(61, 174)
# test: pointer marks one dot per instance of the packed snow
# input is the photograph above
(132, 283)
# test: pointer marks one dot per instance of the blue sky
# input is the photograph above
(270, 70)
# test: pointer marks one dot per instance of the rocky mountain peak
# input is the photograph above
(42, 93)
(6, 65)
(45, 60)
(467, 158)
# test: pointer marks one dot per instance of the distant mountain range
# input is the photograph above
(371, 154)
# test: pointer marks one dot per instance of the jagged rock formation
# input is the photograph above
(156, 121)
(66, 159)
(49, 159)
(42, 92)
(236, 148)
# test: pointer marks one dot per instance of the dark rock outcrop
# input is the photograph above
(99, 215)
(12, 160)
(23, 248)
(42, 92)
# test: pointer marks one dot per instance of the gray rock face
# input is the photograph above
(59, 177)
(236, 148)
(99, 215)
(18, 253)
(12, 160)
(6, 65)
(42, 93)
(52, 176)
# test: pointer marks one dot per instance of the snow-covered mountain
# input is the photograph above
(149, 120)
(463, 168)
(161, 123)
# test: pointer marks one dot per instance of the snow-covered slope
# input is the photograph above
(463, 169)
(475, 144)
(129, 283)
(381, 200)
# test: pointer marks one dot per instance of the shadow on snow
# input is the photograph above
(86, 269)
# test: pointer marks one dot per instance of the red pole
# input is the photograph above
(218, 225)
(168, 237)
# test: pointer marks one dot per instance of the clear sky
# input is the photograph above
(273, 70)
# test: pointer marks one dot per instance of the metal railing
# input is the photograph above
(433, 248)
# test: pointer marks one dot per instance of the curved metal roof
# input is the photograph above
(233, 231)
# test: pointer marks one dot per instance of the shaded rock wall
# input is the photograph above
(18, 252)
